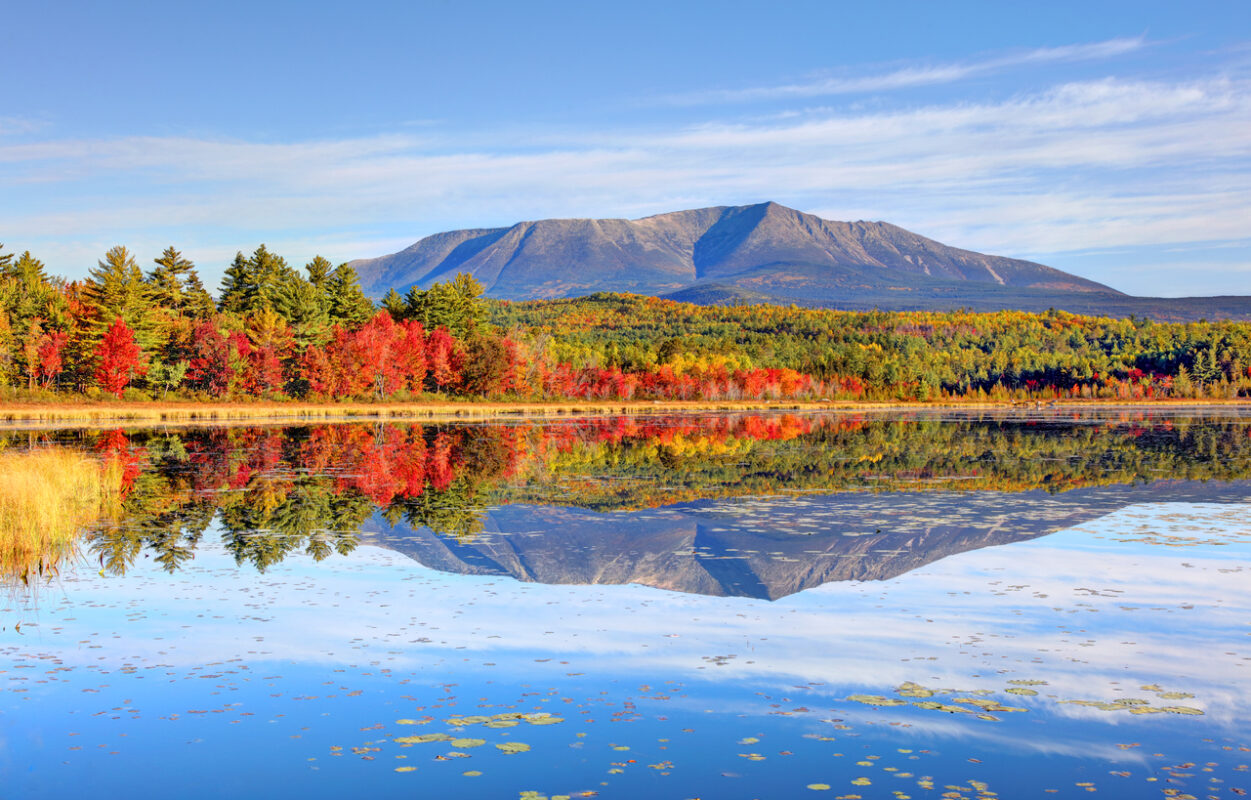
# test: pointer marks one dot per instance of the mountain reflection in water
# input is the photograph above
(740, 505)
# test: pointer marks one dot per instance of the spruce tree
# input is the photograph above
(166, 280)
(199, 303)
(116, 289)
(346, 301)
(394, 304)
(238, 286)
(319, 270)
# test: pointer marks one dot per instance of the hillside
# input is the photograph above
(764, 253)
(765, 248)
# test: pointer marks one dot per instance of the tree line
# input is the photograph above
(277, 332)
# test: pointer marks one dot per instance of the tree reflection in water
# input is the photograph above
(274, 491)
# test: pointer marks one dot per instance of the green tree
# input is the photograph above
(167, 280)
(238, 286)
(345, 300)
(319, 270)
(456, 305)
(116, 289)
(199, 303)
(393, 303)
(165, 376)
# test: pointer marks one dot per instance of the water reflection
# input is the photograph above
(827, 605)
(746, 505)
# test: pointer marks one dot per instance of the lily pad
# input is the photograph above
(511, 748)
(876, 700)
(423, 738)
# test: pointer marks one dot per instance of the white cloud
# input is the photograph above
(912, 77)
(1094, 164)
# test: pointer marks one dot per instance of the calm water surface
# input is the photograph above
(934, 605)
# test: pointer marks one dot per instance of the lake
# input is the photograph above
(934, 604)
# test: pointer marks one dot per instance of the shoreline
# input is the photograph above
(28, 416)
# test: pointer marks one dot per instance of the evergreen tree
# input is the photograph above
(345, 300)
(25, 291)
(276, 283)
(116, 289)
(167, 282)
(319, 270)
(393, 303)
(455, 305)
(198, 302)
(304, 309)
(238, 286)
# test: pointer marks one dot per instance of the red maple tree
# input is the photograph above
(118, 358)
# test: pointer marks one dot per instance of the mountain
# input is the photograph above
(757, 253)
(764, 245)
(722, 549)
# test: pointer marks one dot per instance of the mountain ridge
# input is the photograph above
(766, 252)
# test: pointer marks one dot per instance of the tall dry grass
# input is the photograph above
(47, 497)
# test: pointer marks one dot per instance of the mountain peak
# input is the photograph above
(764, 247)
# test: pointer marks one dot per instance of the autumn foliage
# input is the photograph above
(117, 358)
(276, 333)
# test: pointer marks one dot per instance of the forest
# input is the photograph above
(275, 332)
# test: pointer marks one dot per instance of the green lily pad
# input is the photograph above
(511, 748)
(423, 738)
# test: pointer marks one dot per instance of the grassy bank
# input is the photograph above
(47, 497)
(24, 415)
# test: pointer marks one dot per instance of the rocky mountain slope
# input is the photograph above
(755, 247)
(764, 253)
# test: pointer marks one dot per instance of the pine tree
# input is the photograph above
(238, 286)
(455, 305)
(393, 303)
(319, 270)
(116, 289)
(167, 281)
(346, 302)
(198, 302)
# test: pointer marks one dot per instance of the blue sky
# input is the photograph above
(1108, 139)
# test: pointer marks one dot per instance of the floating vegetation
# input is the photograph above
(511, 748)
(876, 700)
(1135, 705)
(424, 738)
(982, 706)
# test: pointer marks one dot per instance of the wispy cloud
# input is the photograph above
(912, 76)
(10, 126)
(1088, 164)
